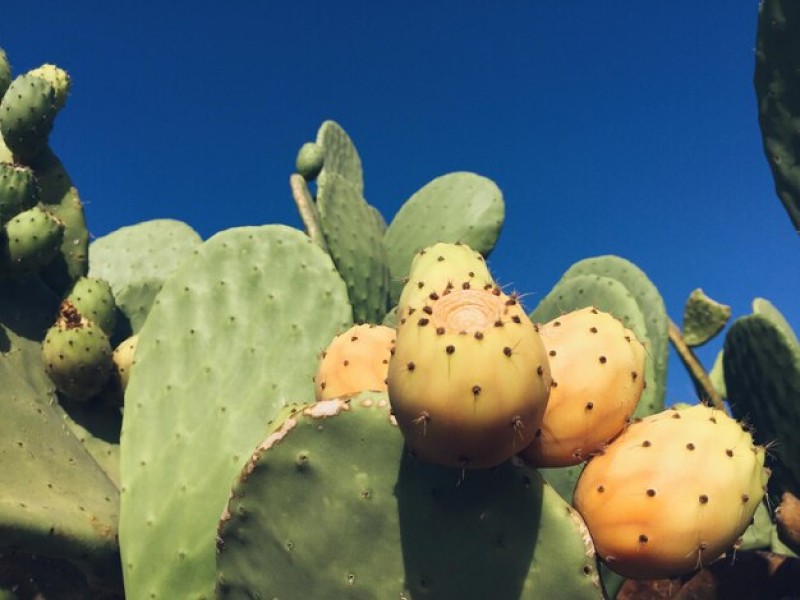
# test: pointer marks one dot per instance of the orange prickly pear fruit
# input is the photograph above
(469, 379)
(355, 361)
(672, 493)
(597, 367)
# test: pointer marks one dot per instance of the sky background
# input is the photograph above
(627, 128)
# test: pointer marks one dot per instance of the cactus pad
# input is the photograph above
(703, 318)
(231, 339)
(340, 155)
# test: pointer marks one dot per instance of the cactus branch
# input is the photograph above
(307, 209)
(696, 369)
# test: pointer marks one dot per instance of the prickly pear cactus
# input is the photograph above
(414, 530)
(597, 367)
(703, 318)
(672, 493)
(18, 190)
(469, 379)
(232, 338)
(27, 113)
(5, 73)
(457, 207)
(93, 298)
(355, 361)
(32, 240)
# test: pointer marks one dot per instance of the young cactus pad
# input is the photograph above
(597, 367)
(332, 506)
(232, 338)
(672, 493)
(457, 207)
(355, 361)
(469, 379)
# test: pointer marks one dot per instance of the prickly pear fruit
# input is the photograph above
(94, 300)
(469, 379)
(123, 360)
(33, 239)
(440, 268)
(672, 493)
(27, 113)
(597, 367)
(355, 361)
(309, 161)
(5, 73)
(17, 190)
(56, 77)
(77, 354)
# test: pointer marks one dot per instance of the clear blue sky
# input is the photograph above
(611, 127)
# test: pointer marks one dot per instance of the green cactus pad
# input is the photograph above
(32, 240)
(135, 260)
(309, 160)
(56, 77)
(761, 363)
(333, 506)
(777, 86)
(340, 155)
(57, 194)
(762, 306)
(703, 318)
(611, 296)
(457, 207)
(5, 73)
(651, 305)
(232, 338)
(94, 300)
(758, 535)
(27, 113)
(355, 243)
(17, 190)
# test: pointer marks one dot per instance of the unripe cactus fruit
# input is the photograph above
(56, 77)
(672, 493)
(355, 361)
(597, 367)
(94, 300)
(310, 160)
(17, 190)
(27, 113)
(77, 354)
(33, 239)
(469, 379)
(441, 268)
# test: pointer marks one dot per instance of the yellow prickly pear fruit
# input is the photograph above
(469, 379)
(355, 361)
(598, 377)
(123, 360)
(672, 493)
(440, 268)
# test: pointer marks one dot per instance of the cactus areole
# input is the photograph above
(469, 379)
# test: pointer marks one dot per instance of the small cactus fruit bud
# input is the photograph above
(310, 159)
(33, 239)
(18, 191)
(469, 379)
(355, 361)
(598, 365)
(440, 269)
(58, 78)
(672, 493)
(77, 355)
(94, 300)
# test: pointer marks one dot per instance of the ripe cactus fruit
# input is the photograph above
(597, 367)
(355, 361)
(672, 493)
(33, 239)
(469, 379)
(94, 299)
(440, 268)
(77, 354)
(123, 360)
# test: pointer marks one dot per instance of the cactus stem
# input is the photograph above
(692, 363)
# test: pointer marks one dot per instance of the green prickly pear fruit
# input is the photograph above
(18, 190)
(94, 300)
(355, 361)
(672, 493)
(77, 354)
(27, 113)
(597, 365)
(33, 239)
(58, 78)
(440, 268)
(469, 379)
(310, 160)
